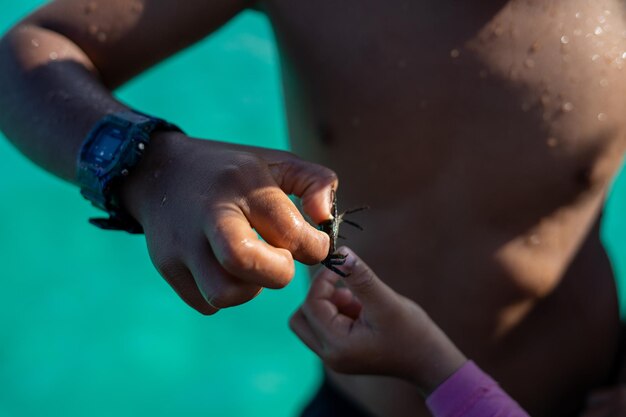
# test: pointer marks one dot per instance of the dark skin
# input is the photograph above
(483, 134)
(349, 323)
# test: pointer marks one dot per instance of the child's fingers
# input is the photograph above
(346, 303)
(326, 274)
(328, 325)
(302, 329)
(364, 284)
(322, 287)
(341, 296)
(317, 308)
(320, 313)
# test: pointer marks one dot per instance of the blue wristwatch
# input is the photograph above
(110, 151)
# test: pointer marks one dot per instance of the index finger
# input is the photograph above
(240, 252)
(280, 223)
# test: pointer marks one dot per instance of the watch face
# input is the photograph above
(105, 148)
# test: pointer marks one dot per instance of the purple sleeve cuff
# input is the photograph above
(469, 392)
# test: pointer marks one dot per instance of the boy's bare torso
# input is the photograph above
(484, 138)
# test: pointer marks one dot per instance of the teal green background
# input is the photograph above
(87, 327)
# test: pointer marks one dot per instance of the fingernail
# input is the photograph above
(330, 200)
(350, 260)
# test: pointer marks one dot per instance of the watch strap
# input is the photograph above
(99, 178)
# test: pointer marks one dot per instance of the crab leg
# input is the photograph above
(351, 223)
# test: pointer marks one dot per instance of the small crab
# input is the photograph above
(331, 227)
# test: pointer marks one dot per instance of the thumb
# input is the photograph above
(363, 282)
(311, 182)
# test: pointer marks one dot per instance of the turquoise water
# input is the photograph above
(87, 327)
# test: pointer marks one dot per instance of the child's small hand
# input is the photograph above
(367, 328)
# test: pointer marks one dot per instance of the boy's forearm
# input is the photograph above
(50, 97)
(58, 65)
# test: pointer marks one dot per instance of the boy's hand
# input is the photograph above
(202, 203)
(367, 328)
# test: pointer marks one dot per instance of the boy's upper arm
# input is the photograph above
(122, 38)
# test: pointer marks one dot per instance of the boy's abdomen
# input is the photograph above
(484, 139)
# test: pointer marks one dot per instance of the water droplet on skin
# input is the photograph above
(567, 107)
(602, 117)
(529, 63)
(102, 37)
(601, 19)
(598, 30)
(35, 43)
(607, 12)
(595, 57)
(604, 82)
(552, 142)
(53, 56)
(578, 15)
(455, 53)
(534, 240)
(564, 39)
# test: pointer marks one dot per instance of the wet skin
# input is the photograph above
(484, 139)
(482, 134)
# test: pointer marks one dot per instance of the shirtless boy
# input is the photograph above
(483, 134)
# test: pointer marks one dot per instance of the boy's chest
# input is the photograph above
(400, 49)
(519, 80)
